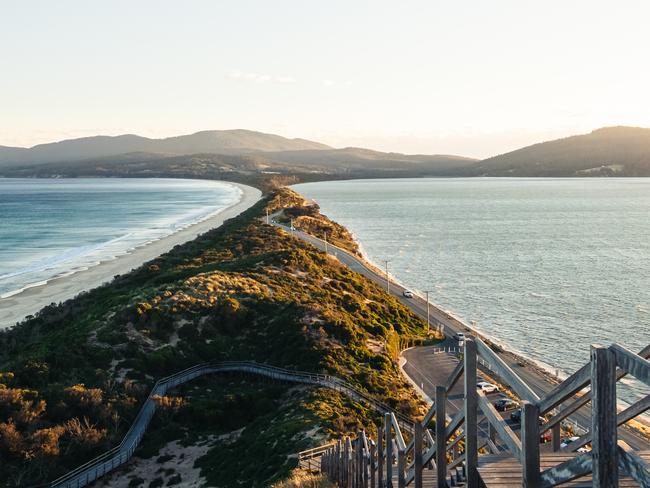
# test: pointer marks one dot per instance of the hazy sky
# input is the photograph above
(472, 78)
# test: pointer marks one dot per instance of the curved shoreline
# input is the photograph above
(16, 307)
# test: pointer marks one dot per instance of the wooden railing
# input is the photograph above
(120, 454)
(388, 459)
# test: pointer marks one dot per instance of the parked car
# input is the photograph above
(516, 417)
(567, 441)
(486, 387)
(407, 294)
(505, 404)
(546, 437)
(459, 336)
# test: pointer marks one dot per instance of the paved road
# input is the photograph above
(539, 382)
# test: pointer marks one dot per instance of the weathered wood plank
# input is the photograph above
(569, 387)
(503, 430)
(632, 363)
(454, 376)
(380, 460)
(441, 436)
(623, 417)
(373, 464)
(530, 445)
(508, 375)
(584, 399)
(566, 471)
(603, 418)
(637, 467)
(417, 454)
(389, 450)
(471, 425)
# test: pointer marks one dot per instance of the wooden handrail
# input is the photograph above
(526, 448)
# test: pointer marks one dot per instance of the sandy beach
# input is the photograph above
(31, 300)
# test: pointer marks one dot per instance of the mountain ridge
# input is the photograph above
(232, 141)
(606, 151)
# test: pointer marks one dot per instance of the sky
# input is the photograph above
(473, 78)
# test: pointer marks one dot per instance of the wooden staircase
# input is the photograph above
(454, 454)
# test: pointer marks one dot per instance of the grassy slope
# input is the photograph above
(243, 291)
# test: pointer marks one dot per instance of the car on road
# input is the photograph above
(505, 404)
(407, 294)
(459, 336)
(486, 387)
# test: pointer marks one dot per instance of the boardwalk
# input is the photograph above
(500, 457)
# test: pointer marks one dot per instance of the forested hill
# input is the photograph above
(250, 157)
(610, 151)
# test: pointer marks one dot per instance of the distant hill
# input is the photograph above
(354, 158)
(610, 151)
(243, 154)
(215, 141)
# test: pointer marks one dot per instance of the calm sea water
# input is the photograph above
(547, 266)
(53, 227)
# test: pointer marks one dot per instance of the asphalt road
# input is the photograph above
(416, 357)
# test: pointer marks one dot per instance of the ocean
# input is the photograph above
(545, 266)
(56, 227)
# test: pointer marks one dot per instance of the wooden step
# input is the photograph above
(504, 470)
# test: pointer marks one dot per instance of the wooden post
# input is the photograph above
(347, 481)
(366, 460)
(401, 468)
(349, 463)
(530, 445)
(389, 450)
(380, 460)
(417, 454)
(492, 433)
(339, 456)
(355, 463)
(471, 424)
(603, 418)
(556, 436)
(360, 463)
(441, 436)
(373, 465)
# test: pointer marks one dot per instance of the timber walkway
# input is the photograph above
(120, 454)
(434, 457)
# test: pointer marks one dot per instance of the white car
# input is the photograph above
(567, 442)
(407, 294)
(459, 336)
(486, 387)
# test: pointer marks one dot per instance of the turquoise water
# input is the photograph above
(547, 266)
(54, 227)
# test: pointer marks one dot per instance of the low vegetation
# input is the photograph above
(74, 375)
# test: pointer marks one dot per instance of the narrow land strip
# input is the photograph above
(539, 380)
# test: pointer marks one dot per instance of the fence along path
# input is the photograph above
(511, 460)
(120, 454)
